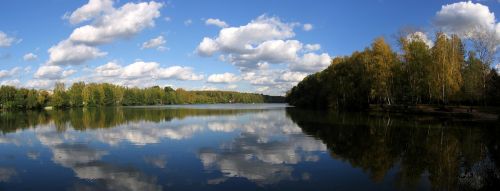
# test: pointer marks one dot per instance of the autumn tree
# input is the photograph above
(382, 60)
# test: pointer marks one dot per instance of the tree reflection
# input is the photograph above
(453, 155)
(94, 118)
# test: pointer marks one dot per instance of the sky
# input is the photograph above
(261, 46)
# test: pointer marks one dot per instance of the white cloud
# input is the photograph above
(30, 57)
(92, 9)
(69, 53)
(14, 82)
(49, 72)
(216, 22)
(420, 36)
(207, 47)
(293, 76)
(266, 54)
(311, 62)
(157, 43)
(124, 22)
(138, 72)
(223, 78)
(6, 41)
(312, 47)
(167, 19)
(178, 72)
(188, 22)
(262, 89)
(40, 84)
(9, 73)
(111, 69)
(263, 41)
(209, 88)
(307, 27)
(67, 73)
(53, 72)
(465, 18)
(232, 86)
(107, 24)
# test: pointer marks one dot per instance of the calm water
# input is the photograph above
(243, 147)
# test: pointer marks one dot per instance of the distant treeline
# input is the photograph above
(443, 74)
(105, 94)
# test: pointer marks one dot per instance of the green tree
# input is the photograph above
(60, 97)
(76, 94)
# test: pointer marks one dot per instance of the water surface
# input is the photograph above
(243, 147)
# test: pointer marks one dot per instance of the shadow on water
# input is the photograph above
(450, 155)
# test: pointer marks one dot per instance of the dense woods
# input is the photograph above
(444, 74)
(104, 94)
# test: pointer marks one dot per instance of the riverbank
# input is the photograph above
(456, 112)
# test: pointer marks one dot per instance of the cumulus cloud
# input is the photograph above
(311, 62)
(466, 18)
(312, 47)
(40, 83)
(207, 47)
(307, 27)
(14, 82)
(30, 57)
(68, 53)
(137, 73)
(107, 24)
(157, 43)
(53, 72)
(420, 36)
(263, 41)
(178, 72)
(293, 76)
(9, 73)
(216, 22)
(92, 9)
(110, 69)
(124, 22)
(223, 78)
(6, 41)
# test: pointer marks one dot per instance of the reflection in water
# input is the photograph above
(262, 151)
(159, 161)
(128, 149)
(6, 173)
(452, 155)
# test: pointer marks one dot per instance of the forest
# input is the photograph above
(104, 94)
(451, 72)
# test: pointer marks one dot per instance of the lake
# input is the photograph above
(243, 147)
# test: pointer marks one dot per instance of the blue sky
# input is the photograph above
(263, 46)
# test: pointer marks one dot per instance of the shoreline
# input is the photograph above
(486, 113)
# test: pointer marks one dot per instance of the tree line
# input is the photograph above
(81, 94)
(443, 74)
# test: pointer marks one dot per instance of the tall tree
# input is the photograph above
(382, 61)
(60, 97)
(416, 67)
(76, 94)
